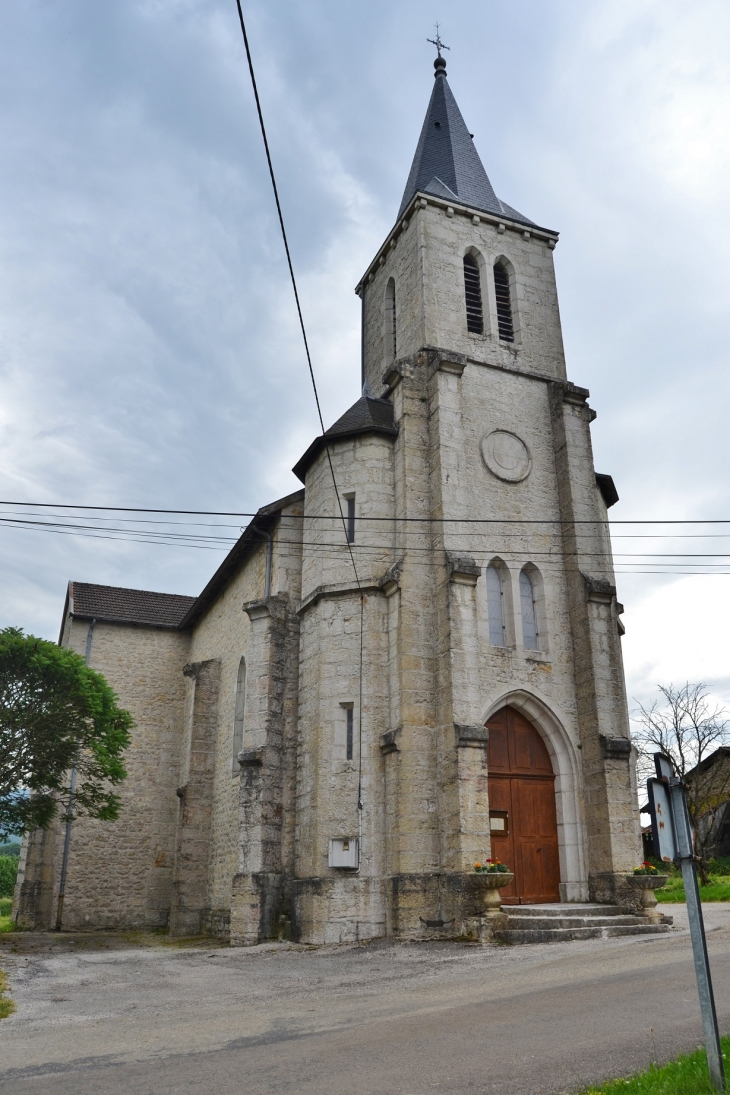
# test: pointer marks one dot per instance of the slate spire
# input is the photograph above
(446, 163)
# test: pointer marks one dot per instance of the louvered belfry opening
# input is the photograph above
(473, 292)
(504, 306)
(391, 335)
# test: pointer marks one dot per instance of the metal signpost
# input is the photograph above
(674, 842)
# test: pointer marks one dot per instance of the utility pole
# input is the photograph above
(674, 842)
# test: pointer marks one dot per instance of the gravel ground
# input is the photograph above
(106, 1014)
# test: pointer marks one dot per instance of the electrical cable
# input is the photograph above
(313, 380)
(409, 520)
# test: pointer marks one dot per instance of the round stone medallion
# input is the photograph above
(506, 455)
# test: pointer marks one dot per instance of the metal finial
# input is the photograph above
(437, 41)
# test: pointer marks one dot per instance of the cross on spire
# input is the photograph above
(437, 41)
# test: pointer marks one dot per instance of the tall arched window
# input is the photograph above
(504, 304)
(495, 607)
(530, 635)
(238, 715)
(473, 294)
(391, 338)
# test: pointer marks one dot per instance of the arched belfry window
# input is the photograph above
(238, 714)
(391, 335)
(473, 294)
(504, 304)
(495, 607)
(530, 634)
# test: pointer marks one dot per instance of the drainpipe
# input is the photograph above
(69, 810)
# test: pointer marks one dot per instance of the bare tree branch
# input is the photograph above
(687, 727)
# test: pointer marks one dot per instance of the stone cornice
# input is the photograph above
(452, 208)
(462, 569)
(340, 589)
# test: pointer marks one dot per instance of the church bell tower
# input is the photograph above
(491, 716)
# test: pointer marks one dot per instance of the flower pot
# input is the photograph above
(647, 883)
(493, 882)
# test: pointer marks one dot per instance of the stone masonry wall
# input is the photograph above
(120, 873)
(225, 633)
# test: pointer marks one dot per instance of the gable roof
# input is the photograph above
(447, 164)
(114, 604)
(88, 601)
(368, 415)
(249, 542)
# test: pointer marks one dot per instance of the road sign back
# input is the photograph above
(662, 826)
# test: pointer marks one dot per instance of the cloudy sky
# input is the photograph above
(149, 353)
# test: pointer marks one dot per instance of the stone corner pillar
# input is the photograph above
(33, 906)
(608, 770)
(190, 901)
(259, 891)
(465, 739)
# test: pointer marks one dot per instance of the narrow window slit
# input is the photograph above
(351, 519)
(238, 714)
(391, 338)
(530, 634)
(495, 607)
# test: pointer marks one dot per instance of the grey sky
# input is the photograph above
(149, 353)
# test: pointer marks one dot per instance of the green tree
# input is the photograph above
(55, 713)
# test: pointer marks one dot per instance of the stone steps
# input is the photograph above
(563, 923)
(542, 923)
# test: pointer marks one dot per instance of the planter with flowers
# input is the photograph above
(648, 879)
(495, 875)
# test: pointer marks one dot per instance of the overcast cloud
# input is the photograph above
(149, 352)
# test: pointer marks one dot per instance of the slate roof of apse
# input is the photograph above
(447, 164)
(607, 488)
(368, 415)
(138, 606)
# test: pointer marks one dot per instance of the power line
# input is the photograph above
(291, 272)
(316, 396)
(410, 520)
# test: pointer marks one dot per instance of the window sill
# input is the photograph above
(536, 656)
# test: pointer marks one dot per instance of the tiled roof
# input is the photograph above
(368, 415)
(134, 606)
(447, 164)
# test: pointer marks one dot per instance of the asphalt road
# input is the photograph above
(104, 1016)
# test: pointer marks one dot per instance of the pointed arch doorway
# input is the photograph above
(522, 818)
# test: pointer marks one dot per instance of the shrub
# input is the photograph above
(8, 874)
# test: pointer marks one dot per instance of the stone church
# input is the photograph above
(376, 691)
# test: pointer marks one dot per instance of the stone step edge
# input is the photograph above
(566, 935)
(540, 923)
(567, 909)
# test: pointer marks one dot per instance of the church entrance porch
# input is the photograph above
(522, 816)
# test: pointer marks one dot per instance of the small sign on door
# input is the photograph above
(499, 822)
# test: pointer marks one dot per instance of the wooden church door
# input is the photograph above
(522, 819)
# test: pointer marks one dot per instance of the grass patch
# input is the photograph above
(6, 924)
(686, 1076)
(718, 889)
(7, 1006)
